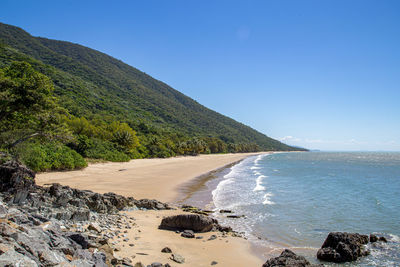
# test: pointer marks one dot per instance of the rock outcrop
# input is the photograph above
(194, 222)
(58, 225)
(289, 259)
(343, 247)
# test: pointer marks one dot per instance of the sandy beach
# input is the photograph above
(161, 179)
(158, 179)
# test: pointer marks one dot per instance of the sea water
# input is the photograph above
(293, 200)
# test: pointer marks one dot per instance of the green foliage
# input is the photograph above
(92, 84)
(27, 106)
(100, 149)
(102, 108)
(50, 156)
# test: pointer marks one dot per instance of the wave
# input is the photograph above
(259, 187)
(259, 157)
(267, 199)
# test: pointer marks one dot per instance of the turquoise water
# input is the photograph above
(294, 200)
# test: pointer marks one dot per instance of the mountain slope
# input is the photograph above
(92, 83)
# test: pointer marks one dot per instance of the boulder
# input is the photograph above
(13, 258)
(194, 222)
(373, 238)
(290, 259)
(17, 180)
(343, 247)
(151, 204)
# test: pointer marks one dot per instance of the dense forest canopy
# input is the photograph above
(101, 108)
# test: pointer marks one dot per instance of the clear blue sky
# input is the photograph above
(321, 74)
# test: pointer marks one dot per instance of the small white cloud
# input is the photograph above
(289, 138)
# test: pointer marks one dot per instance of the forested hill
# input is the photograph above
(94, 85)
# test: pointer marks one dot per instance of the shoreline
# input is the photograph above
(161, 179)
(167, 180)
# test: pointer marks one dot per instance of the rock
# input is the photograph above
(177, 258)
(224, 228)
(214, 263)
(81, 215)
(188, 234)
(383, 239)
(139, 264)
(79, 239)
(94, 227)
(167, 265)
(16, 176)
(13, 258)
(151, 204)
(290, 259)
(343, 247)
(212, 237)
(195, 222)
(166, 250)
(373, 238)
(156, 264)
(127, 262)
(235, 216)
(225, 211)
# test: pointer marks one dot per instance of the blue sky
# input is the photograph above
(320, 74)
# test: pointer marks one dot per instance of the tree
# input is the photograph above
(27, 106)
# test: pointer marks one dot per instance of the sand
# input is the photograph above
(159, 179)
(164, 180)
(227, 251)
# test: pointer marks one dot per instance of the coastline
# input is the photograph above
(167, 180)
(160, 179)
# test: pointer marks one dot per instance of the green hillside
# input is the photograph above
(93, 85)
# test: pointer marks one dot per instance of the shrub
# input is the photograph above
(50, 156)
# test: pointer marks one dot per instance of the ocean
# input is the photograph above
(293, 200)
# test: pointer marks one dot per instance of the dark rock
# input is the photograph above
(214, 263)
(156, 264)
(224, 228)
(195, 222)
(225, 211)
(290, 259)
(343, 247)
(373, 238)
(188, 234)
(15, 177)
(235, 216)
(151, 204)
(383, 239)
(166, 250)
(79, 239)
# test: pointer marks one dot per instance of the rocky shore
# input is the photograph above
(55, 225)
(58, 225)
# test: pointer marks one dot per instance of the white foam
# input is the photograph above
(255, 168)
(267, 200)
(259, 180)
(394, 238)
